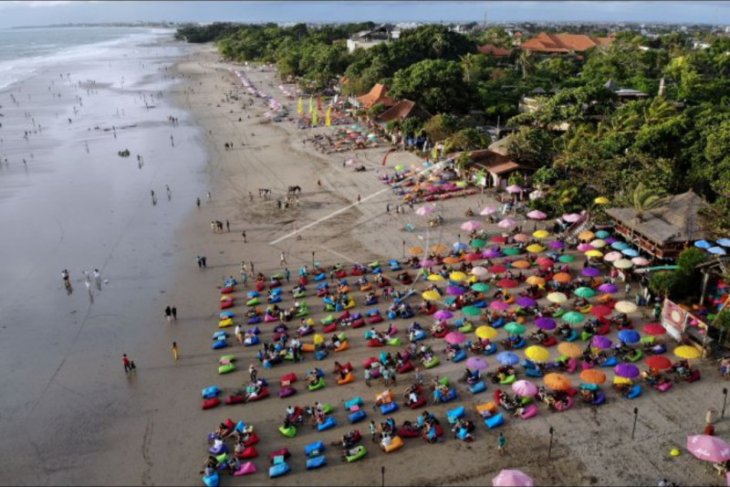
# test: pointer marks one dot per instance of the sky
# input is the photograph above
(19, 13)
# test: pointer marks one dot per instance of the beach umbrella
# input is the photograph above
(601, 200)
(630, 252)
(425, 210)
(506, 223)
(480, 287)
(514, 328)
(487, 210)
(536, 215)
(426, 263)
(626, 370)
(702, 244)
(459, 246)
(602, 342)
(545, 261)
(525, 301)
(586, 235)
(619, 245)
(471, 311)
(486, 332)
(498, 305)
(443, 314)
(629, 336)
(451, 260)
(471, 225)
(507, 283)
(608, 288)
(498, 239)
(573, 317)
(612, 256)
(659, 362)
(541, 234)
(599, 311)
(562, 277)
(625, 307)
(594, 253)
(439, 248)
(521, 237)
(654, 329)
(585, 292)
(557, 298)
(592, 376)
(497, 269)
(520, 264)
(590, 272)
(535, 281)
(511, 251)
(455, 337)
(569, 349)
(455, 290)
(687, 352)
(725, 242)
(435, 277)
(535, 248)
(512, 478)
(415, 250)
(556, 244)
(640, 261)
(557, 382)
(598, 243)
(458, 276)
(571, 217)
(717, 251)
(431, 296)
(479, 271)
(513, 189)
(476, 363)
(585, 247)
(709, 448)
(566, 259)
(602, 234)
(545, 323)
(508, 358)
(537, 353)
(524, 388)
(478, 243)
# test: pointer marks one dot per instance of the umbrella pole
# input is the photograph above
(550, 446)
(724, 402)
(636, 416)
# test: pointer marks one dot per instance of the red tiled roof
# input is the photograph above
(402, 110)
(492, 50)
(377, 94)
(545, 42)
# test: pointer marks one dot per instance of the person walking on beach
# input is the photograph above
(501, 443)
(66, 281)
(174, 351)
(197, 202)
(373, 432)
(174, 313)
(239, 334)
(287, 274)
(128, 364)
(228, 226)
(208, 194)
(169, 192)
(168, 314)
(200, 261)
(204, 260)
(97, 279)
(282, 259)
(251, 266)
(252, 373)
(243, 234)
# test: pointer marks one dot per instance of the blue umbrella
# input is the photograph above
(717, 250)
(460, 246)
(508, 358)
(703, 244)
(629, 336)
(630, 252)
(725, 242)
(602, 234)
(619, 245)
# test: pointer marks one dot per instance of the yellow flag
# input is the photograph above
(315, 120)
(328, 117)
(300, 106)
(311, 104)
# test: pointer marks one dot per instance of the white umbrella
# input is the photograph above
(625, 307)
(612, 256)
(640, 261)
(623, 264)
(488, 210)
(425, 210)
(479, 271)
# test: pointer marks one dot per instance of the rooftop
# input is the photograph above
(563, 43)
(402, 110)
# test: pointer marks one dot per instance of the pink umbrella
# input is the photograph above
(585, 247)
(536, 215)
(471, 225)
(479, 271)
(640, 261)
(524, 388)
(497, 269)
(454, 337)
(545, 261)
(612, 256)
(709, 448)
(428, 263)
(512, 478)
(507, 223)
(513, 189)
(488, 210)
(498, 305)
(571, 217)
(476, 363)
(521, 237)
(425, 210)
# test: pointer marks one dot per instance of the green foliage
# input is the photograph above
(437, 84)
(689, 259)
(440, 126)
(531, 146)
(664, 283)
(466, 139)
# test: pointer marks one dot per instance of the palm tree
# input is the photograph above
(468, 62)
(645, 199)
(526, 62)
(439, 44)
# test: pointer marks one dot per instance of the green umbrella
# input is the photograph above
(511, 251)
(480, 287)
(585, 292)
(471, 311)
(573, 317)
(478, 243)
(514, 328)
(565, 259)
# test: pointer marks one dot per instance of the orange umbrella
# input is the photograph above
(521, 264)
(562, 277)
(536, 281)
(593, 376)
(415, 250)
(570, 349)
(557, 382)
(439, 248)
(452, 260)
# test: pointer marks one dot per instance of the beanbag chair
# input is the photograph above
(478, 387)
(459, 356)
(349, 377)
(356, 416)
(308, 347)
(394, 342)
(494, 421)
(218, 449)
(343, 346)
(287, 391)
(320, 354)
(453, 414)
(289, 432)
(529, 411)
(360, 452)
(211, 403)
(248, 452)
(406, 367)
(420, 402)
(432, 363)
(375, 343)
(314, 449)
(491, 349)
(508, 380)
(533, 373)
(212, 480)
(262, 395)
(279, 469)
(316, 462)
(395, 444)
(225, 323)
(210, 392)
(218, 344)
(328, 423)
(245, 469)
(251, 341)
(226, 368)
(235, 399)
(226, 304)
(375, 319)
(634, 392)
(610, 362)
(389, 407)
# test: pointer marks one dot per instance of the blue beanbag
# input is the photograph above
(459, 356)
(254, 319)
(455, 414)
(388, 408)
(356, 416)
(329, 423)
(213, 480)
(355, 401)
(320, 354)
(210, 392)
(279, 469)
(218, 344)
(478, 387)
(314, 449)
(494, 421)
(220, 335)
(316, 462)
(634, 392)
(610, 362)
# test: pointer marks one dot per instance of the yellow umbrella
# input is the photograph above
(486, 332)
(439, 248)
(623, 264)
(601, 200)
(415, 250)
(570, 349)
(586, 235)
(625, 307)
(458, 276)
(535, 281)
(535, 248)
(537, 353)
(435, 277)
(687, 352)
(431, 296)
(318, 339)
(520, 264)
(541, 234)
(557, 298)
(594, 253)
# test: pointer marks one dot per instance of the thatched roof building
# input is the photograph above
(665, 230)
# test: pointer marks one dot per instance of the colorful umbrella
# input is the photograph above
(585, 247)
(600, 311)
(545, 261)
(557, 382)
(601, 200)
(507, 283)
(415, 250)
(443, 314)
(687, 352)
(537, 353)
(451, 260)
(459, 246)
(717, 250)
(458, 276)
(630, 252)
(507, 223)
(486, 332)
(508, 358)
(439, 248)
(590, 272)
(511, 251)
(594, 253)
(497, 269)
(586, 235)
(521, 264)
(612, 256)
(471, 225)
(535, 248)
(602, 342)
(569, 349)
(566, 259)
(541, 234)
(619, 245)
(545, 323)
(626, 370)
(629, 336)
(709, 448)
(623, 264)
(640, 261)
(535, 281)
(498, 305)
(592, 376)
(318, 339)
(525, 301)
(479, 271)
(471, 311)
(492, 253)
(572, 218)
(487, 210)
(585, 292)
(598, 243)
(602, 234)
(435, 277)
(562, 277)
(573, 317)
(536, 215)
(512, 478)
(455, 337)
(654, 329)
(455, 290)
(431, 296)
(555, 244)
(426, 263)
(521, 237)
(514, 328)
(608, 288)
(725, 242)
(524, 388)
(476, 363)
(557, 298)
(480, 287)
(478, 243)
(659, 362)
(625, 307)
(425, 210)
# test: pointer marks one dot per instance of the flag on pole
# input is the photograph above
(315, 120)
(319, 102)
(328, 117)
(300, 106)
(311, 104)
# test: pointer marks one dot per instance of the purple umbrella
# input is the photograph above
(626, 370)
(610, 240)
(545, 323)
(498, 305)
(476, 363)
(556, 244)
(443, 314)
(455, 290)
(525, 302)
(602, 342)
(608, 288)
(491, 253)
(590, 272)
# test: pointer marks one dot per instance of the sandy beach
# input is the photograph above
(68, 413)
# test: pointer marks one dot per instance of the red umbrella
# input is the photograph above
(497, 269)
(472, 257)
(600, 311)
(659, 362)
(654, 329)
(507, 283)
(545, 261)
(498, 239)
